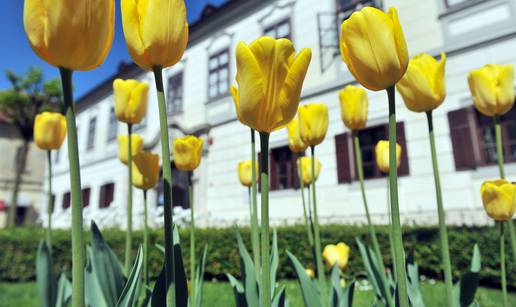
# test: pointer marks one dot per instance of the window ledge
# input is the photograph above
(217, 98)
(459, 7)
(491, 171)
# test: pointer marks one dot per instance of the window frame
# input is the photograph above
(273, 27)
(488, 122)
(92, 131)
(175, 81)
(112, 125)
(107, 190)
(216, 70)
(292, 176)
(86, 196)
(66, 200)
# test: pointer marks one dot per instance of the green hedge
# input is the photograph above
(18, 250)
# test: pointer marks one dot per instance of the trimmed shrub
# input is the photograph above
(18, 250)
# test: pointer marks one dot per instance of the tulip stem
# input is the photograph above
(502, 266)
(49, 204)
(145, 241)
(391, 244)
(399, 253)
(443, 233)
(499, 151)
(129, 232)
(317, 236)
(76, 194)
(167, 188)
(302, 189)
(372, 232)
(264, 165)
(255, 235)
(192, 238)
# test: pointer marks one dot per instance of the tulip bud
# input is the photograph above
(123, 146)
(270, 77)
(72, 34)
(130, 100)
(313, 123)
(310, 273)
(305, 164)
(492, 88)
(294, 138)
(187, 152)
(499, 199)
(245, 172)
(49, 130)
(423, 87)
(156, 32)
(353, 107)
(373, 47)
(145, 174)
(336, 255)
(382, 155)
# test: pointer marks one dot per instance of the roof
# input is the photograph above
(212, 19)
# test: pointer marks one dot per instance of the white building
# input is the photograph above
(471, 32)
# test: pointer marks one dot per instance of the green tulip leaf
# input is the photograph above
(311, 294)
(346, 299)
(369, 258)
(64, 291)
(274, 260)
(238, 291)
(466, 288)
(279, 299)
(45, 276)
(248, 273)
(414, 291)
(131, 290)
(92, 290)
(199, 278)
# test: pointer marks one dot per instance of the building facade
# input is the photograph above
(472, 33)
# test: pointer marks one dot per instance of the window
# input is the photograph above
(175, 94)
(52, 202)
(218, 74)
(66, 200)
(86, 197)
(346, 163)
(112, 125)
(281, 29)
(91, 134)
(283, 169)
(450, 3)
(473, 138)
(107, 192)
(179, 189)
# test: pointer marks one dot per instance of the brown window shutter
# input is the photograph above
(273, 173)
(462, 133)
(295, 173)
(400, 137)
(343, 155)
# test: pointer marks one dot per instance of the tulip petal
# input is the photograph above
(399, 39)
(505, 94)
(484, 97)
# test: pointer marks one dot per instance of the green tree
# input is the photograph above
(29, 95)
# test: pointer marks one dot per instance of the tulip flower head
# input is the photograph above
(492, 88)
(336, 255)
(294, 138)
(313, 123)
(382, 155)
(136, 147)
(305, 163)
(146, 170)
(130, 100)
(373, 47)
(423, 87)
(269, 77)
(49, 130)
(245, 172)
(353, 107)
(156, 32)
(187, 152)
(72, 34)
(499, 199)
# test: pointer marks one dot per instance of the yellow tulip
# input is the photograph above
(187, 152)
(270, 77)
(123, 146)
(73, 34)
(382, 155)
(305, 163)
(492, 88)
(49, 130)
(294, 138)
(146, 170)
(423, 87)
(245, 172)
(336, 255)
(313, 123)
(353, 107)
(310, 273)
(156, 31)
(373, 47)
(499, 199)
(130, 100)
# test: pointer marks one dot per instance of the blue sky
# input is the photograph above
(16, 54)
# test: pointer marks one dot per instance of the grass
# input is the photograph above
(220, 294)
